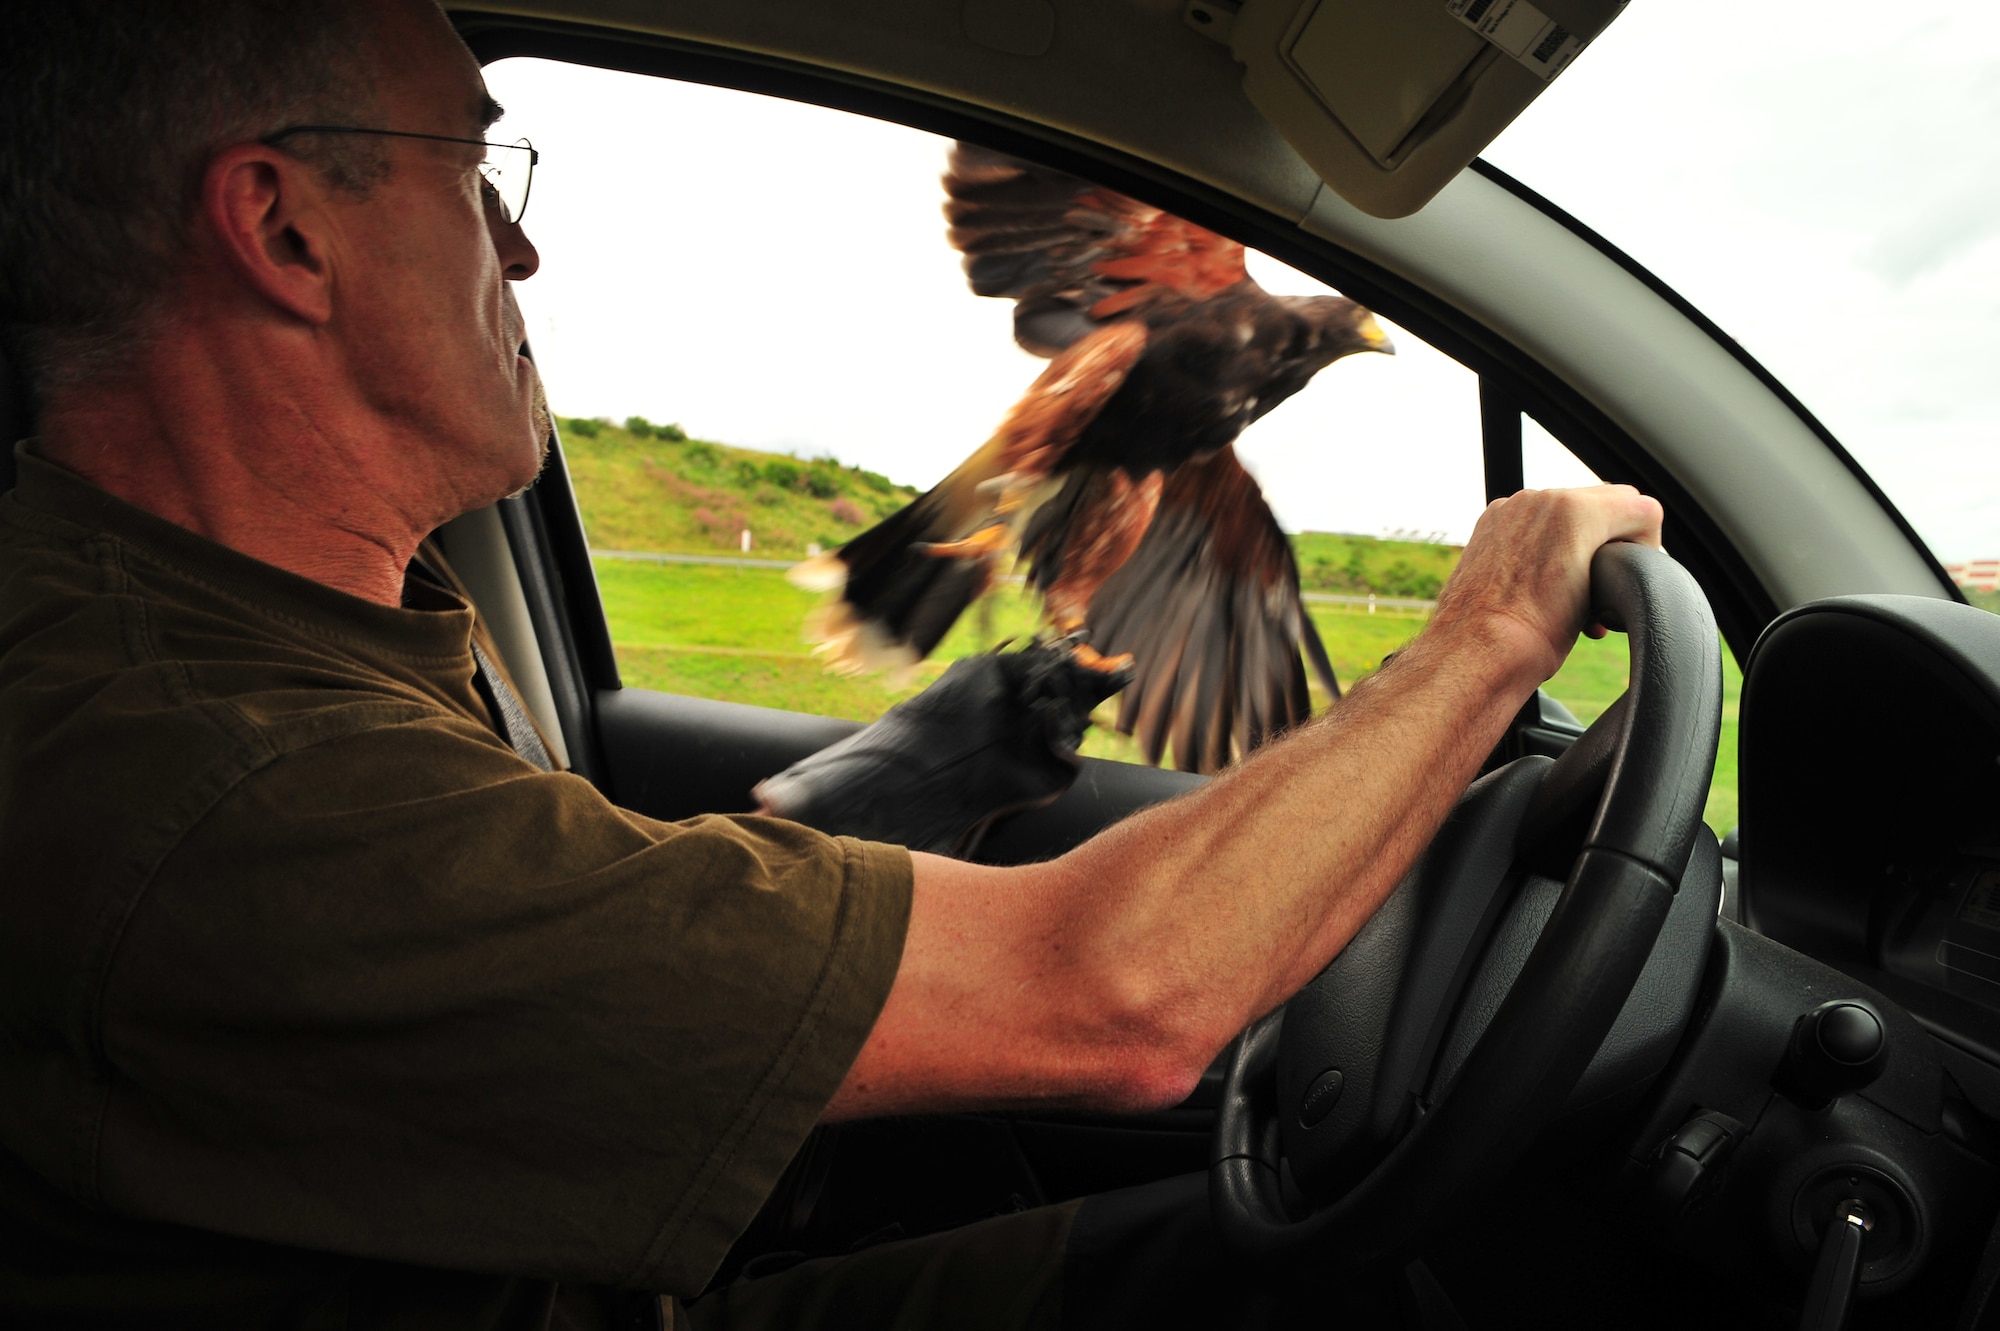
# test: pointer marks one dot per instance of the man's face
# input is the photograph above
(426, 309)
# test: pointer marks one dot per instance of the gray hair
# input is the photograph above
(110, 111)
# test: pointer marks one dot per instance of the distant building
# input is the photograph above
(1980, 575)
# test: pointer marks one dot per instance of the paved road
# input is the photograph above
(745, 561)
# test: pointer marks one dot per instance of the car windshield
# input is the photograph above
(1825, 185)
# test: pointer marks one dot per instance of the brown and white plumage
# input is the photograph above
(1114, 474)
(1208, 608)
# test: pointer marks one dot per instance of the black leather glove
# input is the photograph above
(995, 734)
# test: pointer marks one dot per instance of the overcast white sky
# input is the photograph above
(1829, 192)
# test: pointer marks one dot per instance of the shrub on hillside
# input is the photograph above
(847, 513)
(1402, 578)
(823, 480)
(638, 427)
(1349, 571)
(782, 472)
(724, 528)
(702, 455)
(746, 472)
(582, 427)
(874, 480)
(1350, 575)
(672, 433)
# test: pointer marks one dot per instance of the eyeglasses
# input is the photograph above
(509, 168)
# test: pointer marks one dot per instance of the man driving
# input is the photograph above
(322, 1001)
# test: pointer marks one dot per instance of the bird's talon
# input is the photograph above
(1091, 659)
(985, 542)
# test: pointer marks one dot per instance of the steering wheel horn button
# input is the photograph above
(1320, 1098)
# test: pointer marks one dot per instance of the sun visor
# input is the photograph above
(1389, 99)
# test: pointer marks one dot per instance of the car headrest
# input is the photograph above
(14, 421)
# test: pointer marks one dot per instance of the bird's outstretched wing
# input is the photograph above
(900, 589)
(1073, 255)
(1209, 608)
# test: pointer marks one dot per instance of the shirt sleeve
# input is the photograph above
(399, 996)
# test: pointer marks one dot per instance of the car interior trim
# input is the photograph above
(480, 553)
(1499, 439)
(538, 522)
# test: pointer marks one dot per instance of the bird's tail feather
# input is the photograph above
(896, 602)
(1316, 653)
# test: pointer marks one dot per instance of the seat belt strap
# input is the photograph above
(492, 687)
(513, 717)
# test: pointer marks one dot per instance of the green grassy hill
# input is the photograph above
(653, 488)
(1358, 565)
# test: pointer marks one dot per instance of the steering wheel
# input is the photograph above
(1367, 1083)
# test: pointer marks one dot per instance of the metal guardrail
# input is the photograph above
(1384, 602)
(659, 557)
(745, 561)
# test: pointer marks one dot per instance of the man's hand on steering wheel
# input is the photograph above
(1525, 574)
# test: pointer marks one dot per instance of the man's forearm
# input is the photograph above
(1286, 855)
(1111, 976)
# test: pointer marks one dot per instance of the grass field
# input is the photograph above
(734, 633)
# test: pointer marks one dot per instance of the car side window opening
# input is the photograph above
(758, 343)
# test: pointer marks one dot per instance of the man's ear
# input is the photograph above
(267, 213)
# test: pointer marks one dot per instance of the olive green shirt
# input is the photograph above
(319, 1004)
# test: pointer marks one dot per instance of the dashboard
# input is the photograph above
(1871, 790)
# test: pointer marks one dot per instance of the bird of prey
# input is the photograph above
(1114, 475)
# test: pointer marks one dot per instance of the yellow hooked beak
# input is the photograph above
(1372, 334)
